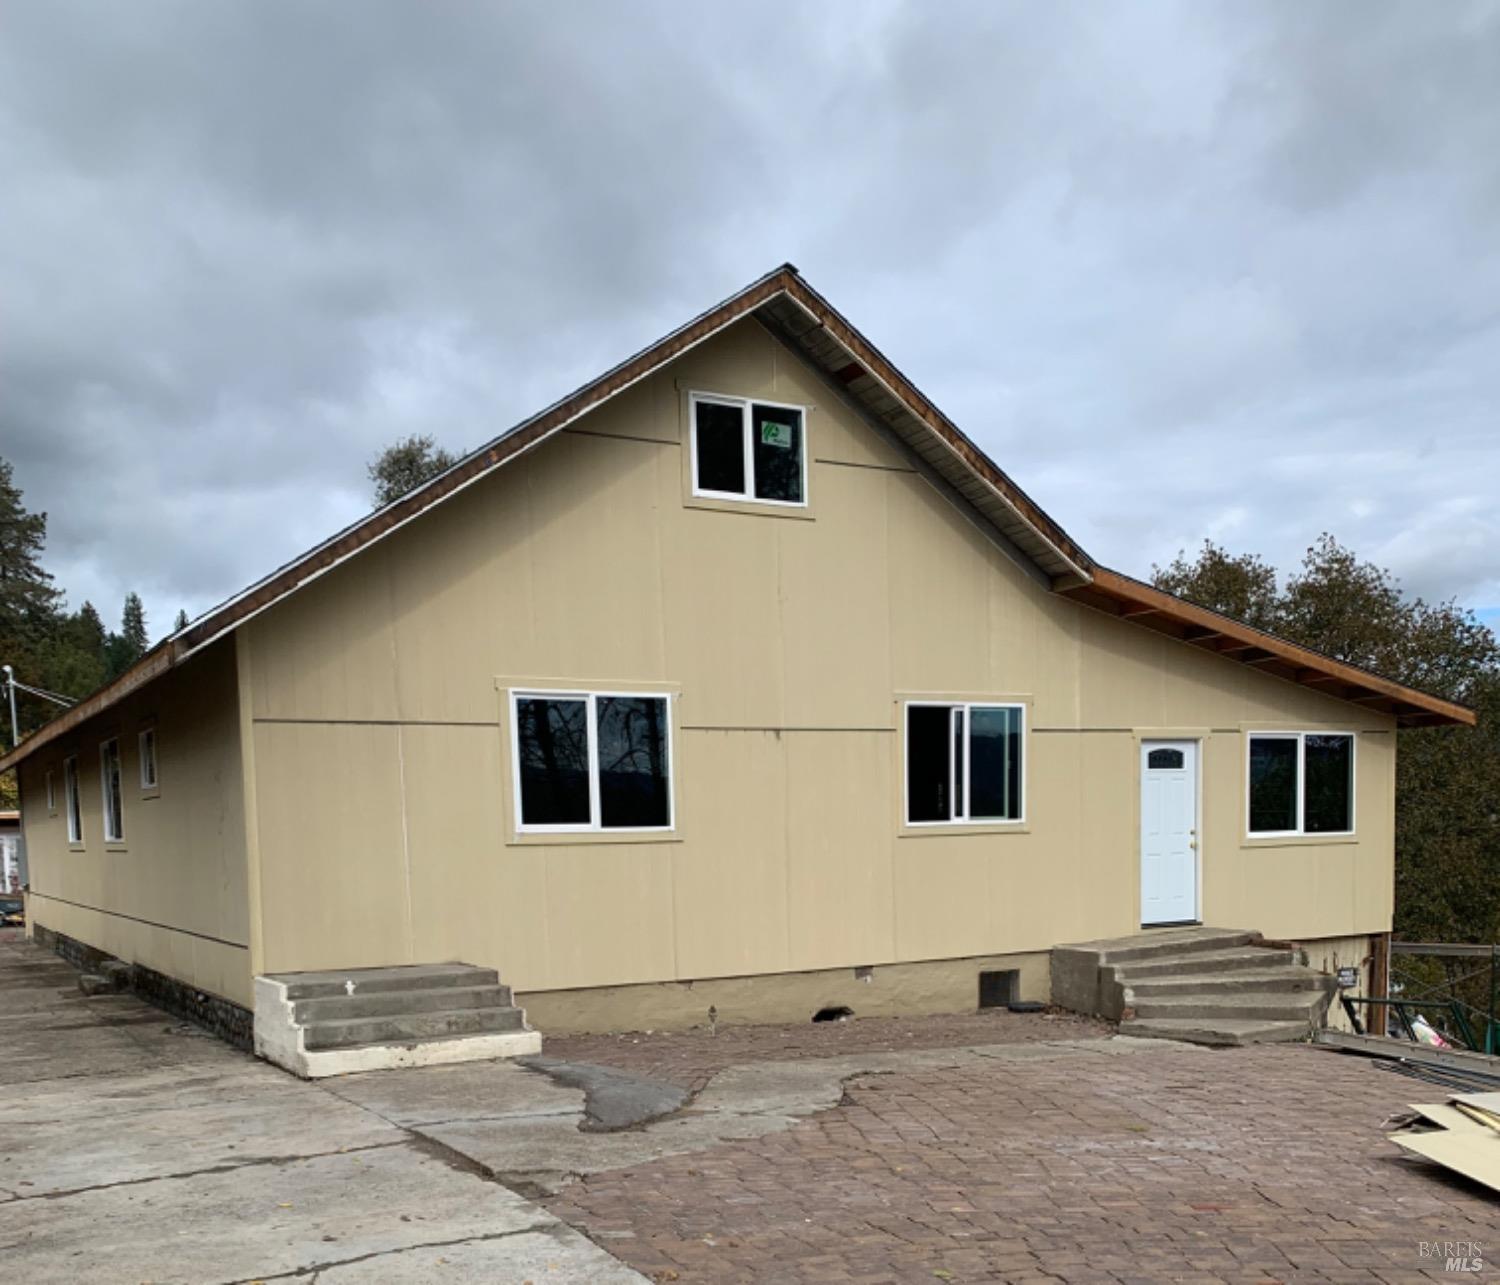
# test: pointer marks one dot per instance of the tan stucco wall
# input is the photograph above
(172, 896)
(381, 753)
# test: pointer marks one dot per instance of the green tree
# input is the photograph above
(130, 644)
(28, 599)
(1447, 779)
(80, 657)
(1238, 585)
(181, 622)
(406, 465)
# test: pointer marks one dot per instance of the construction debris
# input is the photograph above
(1462, 1134)
(1452, 1068)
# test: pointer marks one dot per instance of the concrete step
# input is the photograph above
(440, 1050)
(1206, 1006)
(1200, 962)
(1169, 943)
(411, 1028)
(328, 1008)
(405, 977)
(1223, 1032)
(1291, 978)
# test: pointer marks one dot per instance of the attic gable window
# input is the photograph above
(748, 450)
(587, 761)
(1300, 783)
(964, 763)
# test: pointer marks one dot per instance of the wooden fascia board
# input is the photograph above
(301, 570)
(149, 667)
(905, 392)
(1303, 662)
(783, 281)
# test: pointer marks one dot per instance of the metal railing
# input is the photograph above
(1456, 993)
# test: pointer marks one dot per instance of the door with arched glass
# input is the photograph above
(1169, 832)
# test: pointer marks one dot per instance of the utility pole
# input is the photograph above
(10, 686)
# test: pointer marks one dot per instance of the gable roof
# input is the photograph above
(800, 317)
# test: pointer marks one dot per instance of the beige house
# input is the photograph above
(738, 681)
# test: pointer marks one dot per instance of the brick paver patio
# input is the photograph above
(1174, 1165)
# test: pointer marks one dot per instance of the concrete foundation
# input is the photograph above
(883, 990)
(226, 1019)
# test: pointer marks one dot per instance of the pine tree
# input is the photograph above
(181, 622)
(80, 658)
(133, 626)
(130, 644)
(28, 600)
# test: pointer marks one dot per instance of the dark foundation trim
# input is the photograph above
(222, 1017)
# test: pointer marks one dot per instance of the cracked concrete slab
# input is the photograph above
(258, 1221)
(552, 1253)
(83, 1150)
(132, 1149)
(417, 1096)
(159, 1089)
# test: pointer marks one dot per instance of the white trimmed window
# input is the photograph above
(111, 796)
(1300, 783)
(587, 761)
(72, 800)
(147, 745)
(965, 763)
(748, 450)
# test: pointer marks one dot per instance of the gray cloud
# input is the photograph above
(1184, 270)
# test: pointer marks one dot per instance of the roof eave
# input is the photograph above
(1145, 605)
(783, 281)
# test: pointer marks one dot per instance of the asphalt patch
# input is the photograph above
(612, 1099)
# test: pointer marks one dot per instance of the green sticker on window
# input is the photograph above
(773, 434)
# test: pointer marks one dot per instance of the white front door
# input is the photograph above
(1169, 832)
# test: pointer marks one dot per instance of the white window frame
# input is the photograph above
(51, 794)
(591, 700)
(111, 835)
(1301, 831)
(73, 798)
(747, 438)
(147, 736)
(965, 820)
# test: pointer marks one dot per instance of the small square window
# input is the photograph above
(147, 745)
(748, 450)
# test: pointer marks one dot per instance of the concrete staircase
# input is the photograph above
(1204, 985)
(366, 1019)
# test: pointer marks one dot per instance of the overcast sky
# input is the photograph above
(1182, 270)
